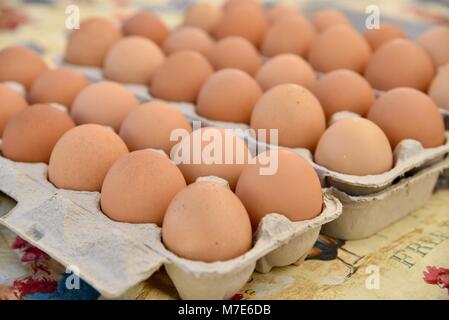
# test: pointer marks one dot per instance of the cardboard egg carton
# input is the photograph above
(113, 257)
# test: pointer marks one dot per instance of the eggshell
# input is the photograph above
(406, 113)
(82, 157)
(385, 32)
(400, 63)
(294, 112)
(245, 20)
(188, 38)
(228, 95)
(439, 87)
(107, 103)
(285, 68)
(339, 47)
(436, 42)
(196, 157)
(344, 90)
(146, 24)
(59, 85)
(139, 187)
(291, 34)
(293, 190)
(354, 146)
(20, 64)
(207, 222)
(89, 44)
(31, 134)
(327, 18)
(203, 16)
(11, 102)
(234, 3)
(143, 57)
(281, 10)
(150, 126)
(235, 52)
(181, 76)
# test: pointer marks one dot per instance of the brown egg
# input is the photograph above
(59, 85)
(207, 222)
(400, 63)
(281, 10)
(89, 44)
(196, 157)
(11, 102)
(203, 16)
(294, 112)
(139, 187)
(438, 88)
(31, 134)
(285, 68)
(188, 38)
(293, 189)
(436, 43)
(327, 18)
(344, 90)
(233, 3)
(339, 47)
(146, 24)
(150, 126)
(228, 95)
(406, 113)
(235, 52)
(83, 156)
(143, 56)
(386, 32)
(292, 34)
(181, 76)
(354, 146)
(20, 64)
(107, 103)
(244, 20)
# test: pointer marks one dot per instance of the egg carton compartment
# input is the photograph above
(113, 257)
(363, 216)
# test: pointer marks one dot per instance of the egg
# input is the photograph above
(20, 64)
(203, 15)
(211, 151)
(150, 126)
(339, 47)
(406, 113)
(206, 222)
(281, 10)
(139, 187)
(107, 103)
(59, 85)
(82, 157)
(11, 102)
(400, 63)
(438, 88)
(143, 57)
(188, 38)
(385, 32)
(235, 52)
(293, 189)
(436, 42)
(31, 134)
(234, 3)
(285, 68)
(294, 112)
(181, 76)
(344, 90)
(292, 34)
(146, 24)
(244, 20)
(354, 146)
(228, 95)
(89, 44)
(327, 18)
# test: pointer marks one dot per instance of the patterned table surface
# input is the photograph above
(334, 270)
